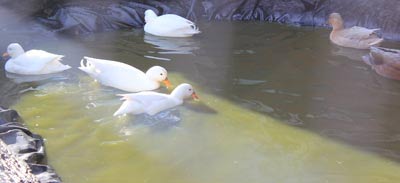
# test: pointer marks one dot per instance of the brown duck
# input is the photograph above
(354, 37)
(385, 61)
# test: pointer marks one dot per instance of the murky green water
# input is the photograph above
(336, 119)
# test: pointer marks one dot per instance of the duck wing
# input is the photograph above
(144, 102)
(115, 74)
(102, 66)
(36, 59)
(360, 33)
(390, 57)
(177, 24)
(145, 98)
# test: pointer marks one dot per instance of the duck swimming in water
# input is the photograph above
(152, 102)
(169, 25)
(385, 61)
(354, 37)
(32, 62)
(123, 76)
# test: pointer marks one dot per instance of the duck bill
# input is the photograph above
(5, 55)
(167, 83)
(194, 96)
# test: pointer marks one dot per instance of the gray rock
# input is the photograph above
(27, 146)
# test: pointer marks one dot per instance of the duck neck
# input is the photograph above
(337, 25)
(155, 84)
(150, 17)
(17, 53)
(176, 94)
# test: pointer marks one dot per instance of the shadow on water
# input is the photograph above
(298, 77)
(157, 123)
(201, 107)
(292, 74)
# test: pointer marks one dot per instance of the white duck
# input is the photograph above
(32, 62)
(123, 76)
(152, 103)
(168, 25)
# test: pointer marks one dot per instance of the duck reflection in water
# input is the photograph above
(350, 53)
(18, 78)
(161, 122)
(165, 120)
(169, 45)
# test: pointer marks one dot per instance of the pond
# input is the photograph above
(277, 104)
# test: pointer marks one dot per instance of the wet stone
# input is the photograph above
(26, 146)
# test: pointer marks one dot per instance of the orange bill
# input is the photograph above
(167, 83)
(194, 96)
(5, 54)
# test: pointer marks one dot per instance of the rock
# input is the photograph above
(27, 146)
(26, 8)
(50, 177)
(7, 116)
(12, 169)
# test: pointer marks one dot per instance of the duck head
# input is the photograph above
(14, 50)
(184, 91)
(159, 74)
(149, 15)
(336, 21)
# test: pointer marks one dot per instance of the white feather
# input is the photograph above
(151, 102)
(118, 75)
(170, 25)
(33, 62)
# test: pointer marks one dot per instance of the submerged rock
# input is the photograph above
(85, 16)
(26, 145)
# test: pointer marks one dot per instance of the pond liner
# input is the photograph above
(26, 145)
(87, 16)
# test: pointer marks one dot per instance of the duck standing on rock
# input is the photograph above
(354, 37)
(385, 61)
(168, 25)
(123, 76)
(152, 102)
(32, 62)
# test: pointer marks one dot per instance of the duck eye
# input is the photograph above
(190, 89)
(161, 74)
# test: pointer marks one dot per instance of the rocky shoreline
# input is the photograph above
(23, 156)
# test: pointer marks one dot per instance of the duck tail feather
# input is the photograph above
(123, 109)
(376, 42)
(124, 96)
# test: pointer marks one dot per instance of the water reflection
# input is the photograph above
(158, 123)
(349, 53)
(18, 78)
(201, 107)
(172, 45)
(244, 73)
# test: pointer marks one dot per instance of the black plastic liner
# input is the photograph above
(85, 16)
